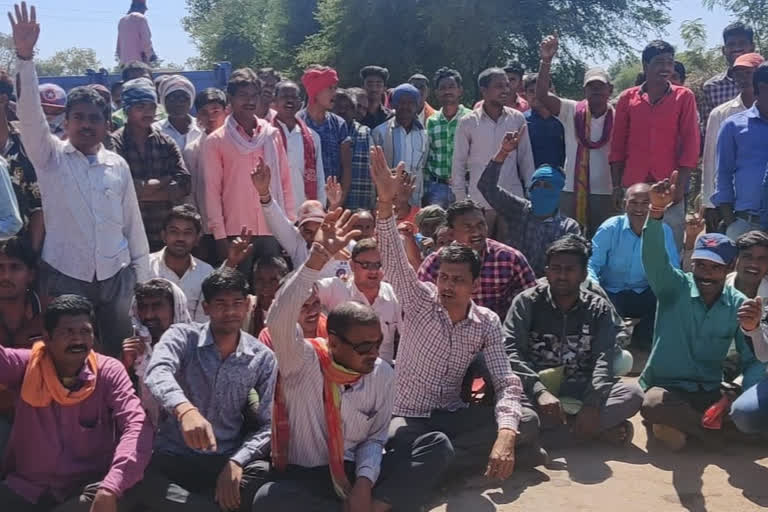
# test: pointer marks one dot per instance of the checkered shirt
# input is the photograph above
(441, 133)
(333, 133)
(717, 90)
(505, 273)
(362, 192)
(434, 354)
(161, 157)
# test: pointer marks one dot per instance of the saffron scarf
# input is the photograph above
(582, 119)
(334, 376)
(41, 383)
(310, 157)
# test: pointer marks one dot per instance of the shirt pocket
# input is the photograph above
(110, 200)
(95, 437)
(356, 425)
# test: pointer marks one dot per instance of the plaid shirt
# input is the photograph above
(362, 192)
(505, 273)
(434, 354)
(441, 133)
(717, 90)
(161, 157)
(333, 133)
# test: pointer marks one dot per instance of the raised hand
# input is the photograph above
(239, 248)
(336, 231)
(405, 186)
(261, 177)
(25, 30)
(334, 193)
(548, 47)
(511, 140)
(694, 225)
(750, 314)
(385, 179)
(663, 193)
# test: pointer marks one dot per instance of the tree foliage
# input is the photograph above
(752, 12)
(72, 61)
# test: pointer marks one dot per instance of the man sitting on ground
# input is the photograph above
(698, 316)
(77, 420)
(561, 341)
(202, 374)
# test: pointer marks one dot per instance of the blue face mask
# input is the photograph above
(544, 201)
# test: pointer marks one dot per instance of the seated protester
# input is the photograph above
(211, 106)
(504, 272)
(531, 224)
(80, 439)
(561, 341)
(698, 316)
(366, 287)
(751, 275)
(617, 263)
(201, 445)
(158, 303)
(266, 276)
(10, 216)
(181, 233)
(157, 167)
(296, 240)
(365, 223)
(441, 319)
(544, 129)
(322, 452)
(428, 219)
(176, 94)
(748, 411)
(312, 321)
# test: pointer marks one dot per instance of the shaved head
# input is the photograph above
(637, 187)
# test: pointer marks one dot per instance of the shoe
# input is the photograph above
(672, 438)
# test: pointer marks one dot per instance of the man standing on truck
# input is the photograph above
(134, 39)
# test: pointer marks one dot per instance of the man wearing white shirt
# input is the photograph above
(95, 244)
(366, 287)
(181, 233)
(301, 144)
(176, 95)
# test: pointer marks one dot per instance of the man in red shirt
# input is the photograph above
(656, 132)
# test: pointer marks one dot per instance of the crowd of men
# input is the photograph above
(308, 297)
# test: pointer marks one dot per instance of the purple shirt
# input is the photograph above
(57, 450)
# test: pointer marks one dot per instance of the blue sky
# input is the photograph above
(89, 24)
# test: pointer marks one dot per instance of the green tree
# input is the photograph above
(73, 61)
(752, 12)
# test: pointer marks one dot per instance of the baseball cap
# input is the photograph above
(53, 96)
(596, 75)
(311, 211)
(715, 247)
(748, 60)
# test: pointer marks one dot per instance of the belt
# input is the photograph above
(435, 179)
(749, 217)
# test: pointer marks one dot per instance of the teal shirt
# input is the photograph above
(690, 341)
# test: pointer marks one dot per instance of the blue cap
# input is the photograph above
(715, 247)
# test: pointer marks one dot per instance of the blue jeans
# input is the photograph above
(750, 411)
(437, 193)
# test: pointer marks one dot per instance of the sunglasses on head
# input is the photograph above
(369, 265)
(361, 348)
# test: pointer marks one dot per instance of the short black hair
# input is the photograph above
(379, 71)
(443, 73)
(515, 67)
(348, 315)
(366, 244)
(224, 279)
(115, 85)
(154, 288)
(6, 84)
(138, 6)
(210, 95)
(680, 70)
(752, 239)
(655, 48)
(530, 79)
(357, 92)
(738, 29)
(573, 244)
(17, 248)
(266, 74)
(66, 305)
(270, 261)
(461, 208)
(485, 76)
(241, 78)
(287, 83)
(88, 95)
(346, 94)
(760, 77)
(185, 212)
(136, 65)
(456, 253)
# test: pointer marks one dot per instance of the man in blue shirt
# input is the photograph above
(545, 130)
(742, 157)
(616, 261)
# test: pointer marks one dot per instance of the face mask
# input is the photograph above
(544, 201)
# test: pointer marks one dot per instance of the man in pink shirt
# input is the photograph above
(230, 155)
(656, 132)
(134, 39)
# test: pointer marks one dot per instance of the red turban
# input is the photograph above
(317, 79)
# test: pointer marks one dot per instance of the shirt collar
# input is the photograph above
(504, 112)
(101, 155)
(753, 113)
(416, 124)
(206, 340)
(551, 301)
(192, 262)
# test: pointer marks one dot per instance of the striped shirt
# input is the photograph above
(441, 133)
(366, 406)
(434, 354)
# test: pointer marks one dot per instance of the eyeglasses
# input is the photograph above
(361, 348)
(369, 265)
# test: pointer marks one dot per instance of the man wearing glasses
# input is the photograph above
(333, 403)
(366, 287)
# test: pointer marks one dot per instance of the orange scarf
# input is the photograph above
(334, 376)
(42, 385)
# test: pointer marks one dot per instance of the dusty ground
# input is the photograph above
(640, 478)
